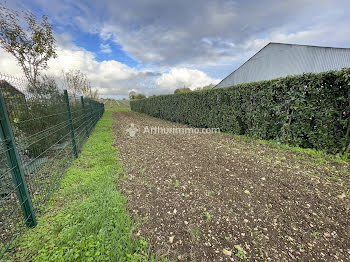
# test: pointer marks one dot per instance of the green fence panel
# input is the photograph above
(37, 128)
(15, 166)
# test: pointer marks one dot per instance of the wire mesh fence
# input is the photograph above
(42, 131)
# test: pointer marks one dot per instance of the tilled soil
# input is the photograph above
(217, 197)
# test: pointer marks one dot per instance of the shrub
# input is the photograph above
(309, 110)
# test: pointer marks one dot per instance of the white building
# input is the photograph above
(279, 60)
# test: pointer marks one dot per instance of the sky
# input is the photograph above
(156, 46)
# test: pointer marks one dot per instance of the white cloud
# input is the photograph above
(111, 77)
(311, 36)
(207, 32)
(183, 77)
(211, 36)
(105, 48)
(8, 64)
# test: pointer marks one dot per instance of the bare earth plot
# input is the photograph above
(220, 198)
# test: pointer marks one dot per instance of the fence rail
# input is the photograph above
(42, 130)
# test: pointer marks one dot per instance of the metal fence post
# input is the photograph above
(15, 166)
(85, 118)
(92, 114)
(95, 113)
(69, 115)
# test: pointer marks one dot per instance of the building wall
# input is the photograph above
(279, 60)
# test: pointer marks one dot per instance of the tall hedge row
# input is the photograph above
(309, 110)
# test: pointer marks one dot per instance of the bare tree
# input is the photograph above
(94, 94)
(77, 83)
(29, 40)
(132, 94)
(74, 81)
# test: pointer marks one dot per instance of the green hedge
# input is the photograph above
(309, 110)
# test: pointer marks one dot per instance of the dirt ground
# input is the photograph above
(220, 197)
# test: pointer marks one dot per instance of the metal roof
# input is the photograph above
(7, 87)
(279, 60)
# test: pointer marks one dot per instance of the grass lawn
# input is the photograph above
(86, 219)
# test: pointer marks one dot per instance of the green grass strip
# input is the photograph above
(86, 220)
